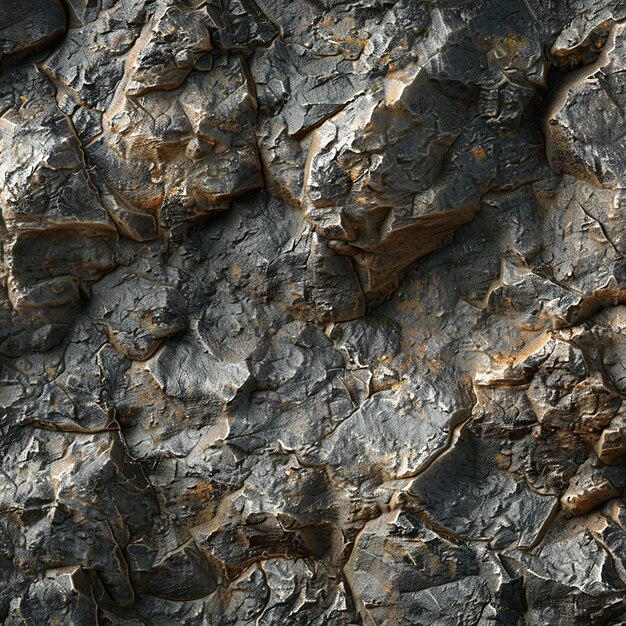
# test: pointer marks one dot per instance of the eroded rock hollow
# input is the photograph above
(312, 312)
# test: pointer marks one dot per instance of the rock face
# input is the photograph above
(312, 312)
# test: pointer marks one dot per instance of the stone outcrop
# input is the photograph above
(312, 312)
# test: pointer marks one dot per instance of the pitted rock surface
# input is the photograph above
(312, 312)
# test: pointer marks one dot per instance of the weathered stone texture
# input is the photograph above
(312, 312)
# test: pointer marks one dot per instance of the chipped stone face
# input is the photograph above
(312, 312)
(29, 26)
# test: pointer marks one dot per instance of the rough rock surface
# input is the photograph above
(312, 312)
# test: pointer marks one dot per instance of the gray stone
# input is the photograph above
(312, 312)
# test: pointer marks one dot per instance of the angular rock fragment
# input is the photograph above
(403, 571)
(173, 45)
(587, 490)
(611, 447)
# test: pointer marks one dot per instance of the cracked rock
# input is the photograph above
(312, 313)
